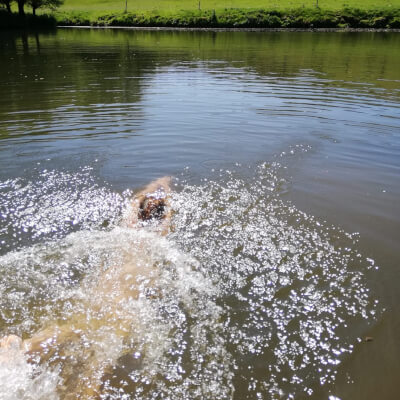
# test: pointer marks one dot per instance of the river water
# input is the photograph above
(280, 276)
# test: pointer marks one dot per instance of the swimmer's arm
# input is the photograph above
(42, 344)
(163, 182)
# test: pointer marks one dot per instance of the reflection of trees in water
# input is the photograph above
(84, 67)
(39, 56)
(43, 74)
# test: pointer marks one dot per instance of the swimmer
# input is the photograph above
(150, 206)
(82, 368)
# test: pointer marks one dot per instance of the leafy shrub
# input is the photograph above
(250, 18)
(394, 23)
(73, 19)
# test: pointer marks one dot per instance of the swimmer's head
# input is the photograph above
(151, 208)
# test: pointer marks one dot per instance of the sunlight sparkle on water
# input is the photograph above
(246, 291)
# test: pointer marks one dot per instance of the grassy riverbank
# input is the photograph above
(242, 18)
(303, 14)
(233, 13)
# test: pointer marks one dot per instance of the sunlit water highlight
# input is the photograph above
(247, 297)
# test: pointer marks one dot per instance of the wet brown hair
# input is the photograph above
(151, 208)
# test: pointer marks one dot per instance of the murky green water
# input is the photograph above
(285, 153)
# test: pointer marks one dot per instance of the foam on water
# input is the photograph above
(247, 297)
(22, 380)
(149, 331)
(49, 204)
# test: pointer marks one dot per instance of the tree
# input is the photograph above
(21, 10)
(52, 4)
(21, 4)
(7, 4)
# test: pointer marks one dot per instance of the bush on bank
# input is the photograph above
(243, 18)
(302, 18)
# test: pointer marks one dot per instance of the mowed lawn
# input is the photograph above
(175, 5)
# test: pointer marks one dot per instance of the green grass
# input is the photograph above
(176, 5)
(233, 13)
